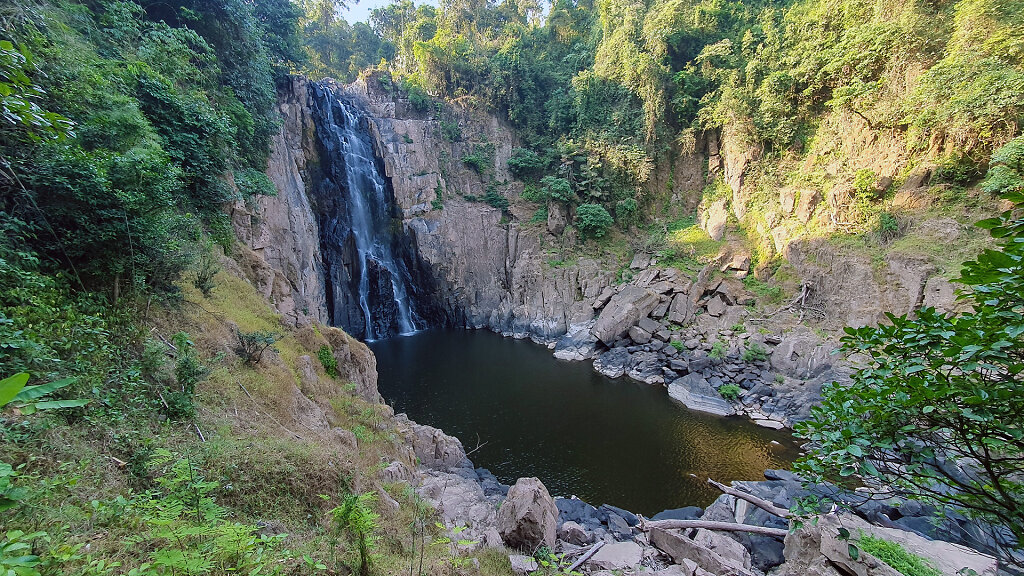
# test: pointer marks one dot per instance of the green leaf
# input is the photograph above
(854, 551)
(855, 450)
(844, 534)
(57, 404)
(33, 392)
(11, 386)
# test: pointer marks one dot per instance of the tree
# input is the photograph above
(936, 415)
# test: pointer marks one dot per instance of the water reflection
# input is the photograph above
(603, 440)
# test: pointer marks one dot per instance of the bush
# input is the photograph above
(718, 350)
(889, 227)
(541, 215)
(524, 162)
(495, 199)
(626, 212)
(252, 345)
(593, 220)
(755, 353)
(678, 345)
(330, 364)
(729, 391)
(557, 189)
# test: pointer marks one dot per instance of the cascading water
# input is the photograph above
(365, 251)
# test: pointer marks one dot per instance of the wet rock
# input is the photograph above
(528, 516)
(613, 363)
(687, 513)
(622, 312)
(577, 344)
(646, 367)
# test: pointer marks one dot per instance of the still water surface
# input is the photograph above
(605, 441)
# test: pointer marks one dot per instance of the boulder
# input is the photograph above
(558, 217)
(730, 550)
(618, 527)
(617, 556)
(646, 367)
(802, 354)
(639, 335)
(714, 219)
(622, 312)
(787, 199)
(694, 392)
(613, 363)
(492, 539)
(574, 534)
(528, 516)
(432, 446)
(397, 472)
(681, 309)
(717, 305)
(681, 549)
(815, 544)
(604, 297)
(809, 200)
(577, 344)
(522, 564)
(687, 513)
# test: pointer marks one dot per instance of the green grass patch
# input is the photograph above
(895, 556)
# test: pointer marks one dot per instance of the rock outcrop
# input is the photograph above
(528, 517)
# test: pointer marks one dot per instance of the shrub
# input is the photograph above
(330, 364)
(718, 350)
(593, 220)
(889, 226)
(206, 268)
(729, 391)
(626, 211)
(188, 369)
(476, 161)
(557, 189)
(678, 345)
(541, 215)
(252, 345)
(356, 521)
(495, 199)
(755, 353)
(524, 162)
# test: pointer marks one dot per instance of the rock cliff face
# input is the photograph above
(488, 272)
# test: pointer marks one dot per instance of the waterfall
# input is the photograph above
(366, 252)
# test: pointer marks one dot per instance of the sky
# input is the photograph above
(360, 12)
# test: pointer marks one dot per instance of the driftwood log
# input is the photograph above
(646, 525)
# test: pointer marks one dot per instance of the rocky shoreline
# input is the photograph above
(523, 518)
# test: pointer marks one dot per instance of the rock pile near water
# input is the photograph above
(691, 336)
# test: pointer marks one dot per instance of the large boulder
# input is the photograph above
(696, 394)
(617, 556)
(802, 354)
(682, 549)
(817, 547)
(623, 311)
(528, 517)
(432, 446)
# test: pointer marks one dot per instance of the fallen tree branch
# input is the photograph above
(760, 503)
(593, 550)
(646, 526)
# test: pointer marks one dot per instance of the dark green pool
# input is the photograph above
(605, 441)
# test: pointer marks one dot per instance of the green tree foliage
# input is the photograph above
(356, 520)
(935, 416)
(593, 220)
